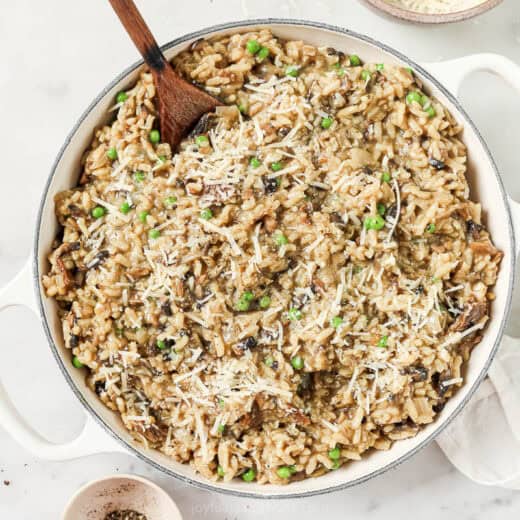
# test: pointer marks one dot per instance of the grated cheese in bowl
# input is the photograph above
(436, 6)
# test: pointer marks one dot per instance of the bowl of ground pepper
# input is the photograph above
(121, 497)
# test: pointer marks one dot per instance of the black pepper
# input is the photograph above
(126, 514)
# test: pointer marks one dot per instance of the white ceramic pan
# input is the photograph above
(104, 431)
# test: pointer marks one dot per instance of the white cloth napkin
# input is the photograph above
(483, 442)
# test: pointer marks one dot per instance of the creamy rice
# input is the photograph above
(302, 282)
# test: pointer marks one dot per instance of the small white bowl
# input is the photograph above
(100, 497)
(432, 18)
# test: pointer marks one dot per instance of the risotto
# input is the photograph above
(300, 283)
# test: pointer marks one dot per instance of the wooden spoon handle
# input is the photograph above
(140, 33)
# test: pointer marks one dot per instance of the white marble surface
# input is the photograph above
(55, 57)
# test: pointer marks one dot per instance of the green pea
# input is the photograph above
(297, 362)
(112, 154)
(380, 67)
(340, 71)
(326, 122)
(77, 363)
(162, 158)
(206, 214)
(161, 344)
(220, 471)
(249, 475)
(278, 181)
(431, 112)
(412, 97)
(253, 46)
(155, 136)
(125, 208)
(262, 53)
(244, 302)
(139, 176)
(268, 361)
(383, 342)
(276, 166)
(431, 228)
(254, 162)
(248, 296)
(142, 216)
(410, 70)
(354, 60)
(221, 403)
(365, 75)
(242, 108)
(381, 209)
(98, 211)
(170, 201)
(385, 177)
(292, 71)
(295, 314)
(121, 97)
(336, 321)
(334, 453)
(154, 233)
(201, 140)
(264, 302)
(286, 471)
(280, 239)
(221, 428)
(376, 222)
(336, 464)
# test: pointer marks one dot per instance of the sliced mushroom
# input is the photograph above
(473, 229)
(484, 247)
(472, 314)
(98, 259)
(65, 248)
(156, 434)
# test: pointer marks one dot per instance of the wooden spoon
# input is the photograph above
(181, 104)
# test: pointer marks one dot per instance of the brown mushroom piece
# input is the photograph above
(438, 382)
(297, 416)
(306, 385)
(65, 248)
(484, 247)
(156, 434)
(252, 419)
(473, 229)
(418, 373)
(246, 344)
(316, 197)
(98, 259)
(472, 314)
(203, 125)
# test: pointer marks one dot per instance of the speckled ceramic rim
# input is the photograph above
(156, 489)
(204, 484)
(414, 16)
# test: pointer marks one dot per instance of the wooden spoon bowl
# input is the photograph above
(180, 104)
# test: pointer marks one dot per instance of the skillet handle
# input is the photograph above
(469, 446)
(92, 439)
(453, 72)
